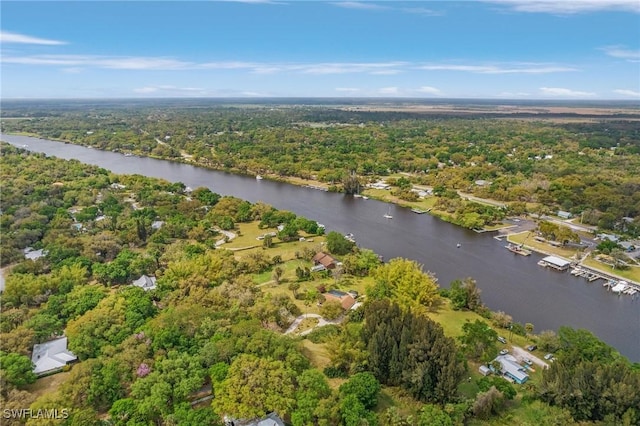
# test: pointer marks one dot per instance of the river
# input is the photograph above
(510, 283)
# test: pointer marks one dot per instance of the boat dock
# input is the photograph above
(513, 248)
(612, 283)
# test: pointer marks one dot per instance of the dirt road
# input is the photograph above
(520, 354)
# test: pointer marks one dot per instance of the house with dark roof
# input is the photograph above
(51, 356)
(345, 299)
(325, 260)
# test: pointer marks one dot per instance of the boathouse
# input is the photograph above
(556, 263)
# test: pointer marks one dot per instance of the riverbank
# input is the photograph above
(509, 283)
(576, 257)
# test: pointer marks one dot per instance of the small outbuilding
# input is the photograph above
(484, 370)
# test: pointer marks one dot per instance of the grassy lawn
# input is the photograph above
(631, 274)
(452, 321)
(541, 246)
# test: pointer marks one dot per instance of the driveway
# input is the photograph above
(520, 354)
(321, 323)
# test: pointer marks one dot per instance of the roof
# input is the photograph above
(346, 300)
(561, 263)
(511, 367)
(271, 419)
(30, 253)
(324, 259)
(145, 282)
(51, 355)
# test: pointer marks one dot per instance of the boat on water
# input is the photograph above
(418, 211)
(513, 248)
(350, 237)
(388, 214)
(258, 177)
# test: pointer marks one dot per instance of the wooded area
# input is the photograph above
(208, 329)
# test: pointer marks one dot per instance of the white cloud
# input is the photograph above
(254, 1)
(622, 52)
(8, 37)
(626, 92)
(513, 94)
(562, 92)
(385, 72)
(360, 5)
(124, 63)
(429, 90)
(421, 11)
(171, 90)
(568, 7)
(388, 91)
(492, 69)
(146, 90)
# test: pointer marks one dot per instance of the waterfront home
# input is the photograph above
(510, 368)
(325, 260)
(51, 356)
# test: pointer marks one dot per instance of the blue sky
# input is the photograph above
(511, 49)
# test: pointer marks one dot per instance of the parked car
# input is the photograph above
(502, 339)
(504, 352)
(528, 361)
(532, 348)
(548, 357)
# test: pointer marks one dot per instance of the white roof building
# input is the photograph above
(145, 282)
(50, 356)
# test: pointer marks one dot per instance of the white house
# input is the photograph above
(145, 282)
(51, 356)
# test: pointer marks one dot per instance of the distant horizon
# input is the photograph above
(256, 49)
(635, 102)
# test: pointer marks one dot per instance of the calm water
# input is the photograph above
(510, 283)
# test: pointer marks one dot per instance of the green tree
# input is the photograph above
(331, 309)
(15, 369)
(432, 415)
(255, 386)
(479, 340)
(338, 244)
(364, 386)
(404, 281)
(312, 388)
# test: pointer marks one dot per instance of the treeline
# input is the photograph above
(577, 167)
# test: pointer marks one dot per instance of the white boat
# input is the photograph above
(258, 177)
(388, 214)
